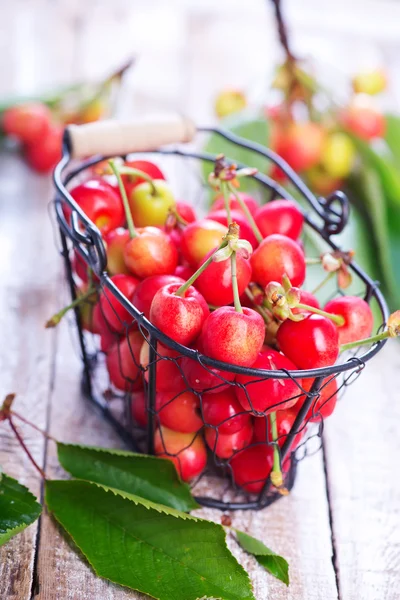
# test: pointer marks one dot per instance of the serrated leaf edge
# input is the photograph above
(11, 532)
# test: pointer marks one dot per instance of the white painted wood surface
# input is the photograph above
(187, 51)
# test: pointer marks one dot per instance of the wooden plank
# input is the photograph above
(362, 447)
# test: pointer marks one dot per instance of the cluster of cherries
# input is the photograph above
(227, 286)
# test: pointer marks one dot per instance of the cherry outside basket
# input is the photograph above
(172, 143)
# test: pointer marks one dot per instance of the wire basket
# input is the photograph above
(144, 361)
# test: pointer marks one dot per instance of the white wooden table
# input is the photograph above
(339, 528)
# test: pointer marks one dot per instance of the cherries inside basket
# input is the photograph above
(201, 337)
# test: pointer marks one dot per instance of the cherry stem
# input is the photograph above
(276, 474)
(55, 319)
(258, 307)
(324, 281)
(25, 448)
(44, 433)
(337, 319)
(366, 341)
(185, 286)
(131, 226)
(313, 261)
(226, 194)
(142, 175)
(235, 288)
(248, 214)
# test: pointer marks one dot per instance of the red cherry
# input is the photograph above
(199, 238)
(186, 211)
(179, 317)
(151, 252)
(362, 118)
(28, 122)
(123, 362)
(203, 377)
(114, 313)
(246, 232)
(179, 412)
(215, 282)
(138, 408)
(168, 373)
(101, 203)
(43, 154)
(276, 256)
(311, 343)
(306, 298)
(116, 241)
(280, 216)
(325, 403)
(300, 144)
(226, 445)
(222, 410)
(184, 271)
(130, 181)
(357, 315)
(233, 337)
(252, 466)
(81, 268)
(267, 395)
(107, 337)
(146, 290)
(284, 423)
(186, 450)
(250, 202)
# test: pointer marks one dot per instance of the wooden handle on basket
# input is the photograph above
(115, 138)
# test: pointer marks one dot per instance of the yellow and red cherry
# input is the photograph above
(225, 445)
(138, 408)
(27, 122)
(199, 238)
(280, 216)
(168, 372)
(147, 167)
(363, 118)
(150, 252)
(284, 423)
(146, 290)
(246, 232)
(324, 405)
(358, 318)
(101, 203)
(276, 256)
(115, 242)
(150, 203)
(300, 144)
(115, 314)
(201, 377)
(123, 362)
(222, 410)
(179, 411)
(186, 450)
(43, 154)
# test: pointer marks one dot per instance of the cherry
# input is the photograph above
(280, 216)
(146, 290)
(276, 256)
(370, 82)
(252, 466)
(150, 252)
(186, 450)
(131, 181)
(362, 118)
(179, 412)
(222, 410)
(86, 308)
(100, 202)
(215, 282)
(226, 445)
(150, 203)
(306, 298)
(311, 343)
(300, 144)
(250, 202)
(228, 102)
(168, 374)
(358, 317)
(184, 271)
(203, 377)
(284, 423)
(338, 155)
(81, 268)
(28, 122)
(199, 238)
(238, 217)
(321, 182)
(179, 317)
(114, 313)
(123, 362)
(325, 404)
(267, 395)
(185, 211)
(138, 408)
(116, 241)
(233, 337)
(107, 337)
(43, 154)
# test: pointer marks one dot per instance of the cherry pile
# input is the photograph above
(228, 286)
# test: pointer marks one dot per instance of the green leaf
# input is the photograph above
(392, 136)
(250, 127)
(153, 478)
(273, 563)
(148, 547)
(18, 508)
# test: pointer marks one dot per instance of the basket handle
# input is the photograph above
(115, 138)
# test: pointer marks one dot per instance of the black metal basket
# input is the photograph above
(327, 217)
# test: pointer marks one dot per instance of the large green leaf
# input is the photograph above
(251, 127)
(148, 547)
(18, 508)
(150, 477)
(273, 563)
(392, 136)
